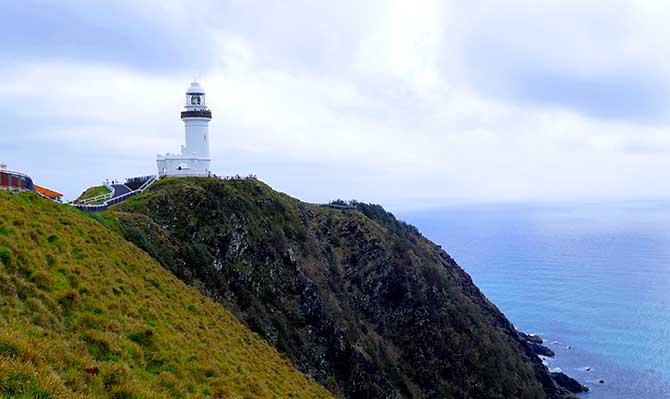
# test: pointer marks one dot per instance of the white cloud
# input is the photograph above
(385, 110)
(405, 44)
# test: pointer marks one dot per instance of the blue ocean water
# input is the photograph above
(593, 280)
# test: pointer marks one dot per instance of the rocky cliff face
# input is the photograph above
(356, 299)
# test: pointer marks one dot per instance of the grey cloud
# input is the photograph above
(101, 32)
(566, 57)
(629, 95)
(642, 147)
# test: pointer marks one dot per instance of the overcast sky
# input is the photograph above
(408, 103)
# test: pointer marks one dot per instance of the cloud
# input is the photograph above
(406, 103)
(591, 59)
(148, 35)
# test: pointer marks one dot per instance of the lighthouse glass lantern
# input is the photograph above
(195, 101)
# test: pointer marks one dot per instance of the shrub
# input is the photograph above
(9, 349)
(117, 375)
(68, 299)
(16, 383)
(89, 320)
(19, 380)
(50, 260)
(99, 346)
(5, 255)
(122, 394)
(42, 280)
(143, 337)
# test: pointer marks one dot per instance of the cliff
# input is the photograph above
(86, 314)
(358, 300)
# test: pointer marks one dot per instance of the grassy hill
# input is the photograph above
(76, 296)
(93, 192)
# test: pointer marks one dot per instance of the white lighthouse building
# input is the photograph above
(194, 159)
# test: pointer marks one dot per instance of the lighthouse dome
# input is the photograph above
(195, 88)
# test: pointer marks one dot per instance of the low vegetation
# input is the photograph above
(93, 192)
(84, 313)
(355, 298)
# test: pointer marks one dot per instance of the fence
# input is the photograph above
(116, 200)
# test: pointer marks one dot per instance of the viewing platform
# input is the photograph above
(118, 194)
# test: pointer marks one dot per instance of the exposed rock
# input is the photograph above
(569, 383)
(534, 338)
(541, 350)
(357, 299)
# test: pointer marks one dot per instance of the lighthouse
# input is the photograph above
(194, 159)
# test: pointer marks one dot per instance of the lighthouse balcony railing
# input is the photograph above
(197, 114)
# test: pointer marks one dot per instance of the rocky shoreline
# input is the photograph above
(535, 342)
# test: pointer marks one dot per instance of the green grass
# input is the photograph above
(75, 295)
(93, 192)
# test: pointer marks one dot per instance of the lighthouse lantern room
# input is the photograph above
(194, 159)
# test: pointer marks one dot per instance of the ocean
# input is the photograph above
(593, 280)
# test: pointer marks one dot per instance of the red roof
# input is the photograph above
(46, 192)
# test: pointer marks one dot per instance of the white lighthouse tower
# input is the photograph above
(194, 159)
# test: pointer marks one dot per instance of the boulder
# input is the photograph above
(534, 338)
(541, 350)
(569, 383)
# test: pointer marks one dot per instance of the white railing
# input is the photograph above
(98, 198)
(147, 183)
(11, 172)
(115, 200)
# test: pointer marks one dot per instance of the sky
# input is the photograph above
(408, 103)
